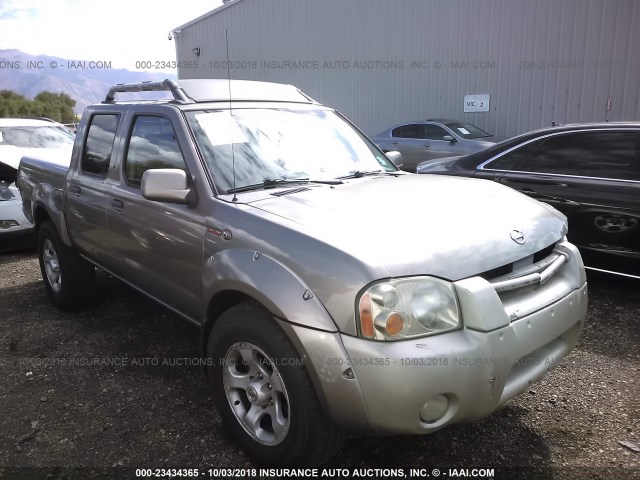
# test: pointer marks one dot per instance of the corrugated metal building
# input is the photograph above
(381, 62)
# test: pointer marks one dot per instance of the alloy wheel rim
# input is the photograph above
(256, 393)
(52, 266)
(612, 223)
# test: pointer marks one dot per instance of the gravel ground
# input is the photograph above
(75, 421)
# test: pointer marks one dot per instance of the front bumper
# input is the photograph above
(476, 371)
(16, 236)
(509, 341)
(17, 239)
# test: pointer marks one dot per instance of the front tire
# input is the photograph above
(263, 391)
(69, 278)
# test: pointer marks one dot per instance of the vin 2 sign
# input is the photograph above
(476, 103)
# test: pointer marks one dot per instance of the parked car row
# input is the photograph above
(431, 139)
(19, 137)
(589, 172)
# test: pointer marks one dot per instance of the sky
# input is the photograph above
(120, 31)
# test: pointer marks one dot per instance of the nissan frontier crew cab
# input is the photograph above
(326, 307)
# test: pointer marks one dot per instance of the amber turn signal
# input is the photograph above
(395, 324)
(366, 318)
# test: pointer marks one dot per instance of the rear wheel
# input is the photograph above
(69, 279)
(263, 391)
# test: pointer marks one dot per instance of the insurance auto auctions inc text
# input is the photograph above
(367, 473)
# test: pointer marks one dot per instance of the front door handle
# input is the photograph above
(426, 145)
(118, 205)
(75, 190)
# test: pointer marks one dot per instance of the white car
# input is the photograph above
(41, 138)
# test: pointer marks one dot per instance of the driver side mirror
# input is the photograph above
(167, 185)
(395, 157)
(449, 138)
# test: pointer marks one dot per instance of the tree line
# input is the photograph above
(56, 106)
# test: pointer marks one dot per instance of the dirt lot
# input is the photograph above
(80, 420)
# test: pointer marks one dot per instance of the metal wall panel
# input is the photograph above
(540, 60)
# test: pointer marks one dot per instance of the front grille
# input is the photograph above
(544, 253)
(533, 274)
(533, 270)
(527, 285)
(497, 272)
(494, 273)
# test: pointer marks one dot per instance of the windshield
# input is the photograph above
(36, 137)
(281, 144)
(467, 130)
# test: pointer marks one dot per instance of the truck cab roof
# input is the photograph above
(215, 90)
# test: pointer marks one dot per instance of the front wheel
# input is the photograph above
(263, 391)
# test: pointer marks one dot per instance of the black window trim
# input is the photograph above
(94, 175)
(420, 124)
(555, 134)
(125, 153)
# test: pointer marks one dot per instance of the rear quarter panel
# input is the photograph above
(41, 184)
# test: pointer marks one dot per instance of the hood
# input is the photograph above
(450, 227)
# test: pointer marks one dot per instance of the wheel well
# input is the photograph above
(39, 217)
(219, 303)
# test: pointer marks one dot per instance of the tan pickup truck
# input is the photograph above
(326, 306)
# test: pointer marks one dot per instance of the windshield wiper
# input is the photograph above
(361, 173)
(280, 182)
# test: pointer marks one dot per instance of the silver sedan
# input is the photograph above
(431, 139)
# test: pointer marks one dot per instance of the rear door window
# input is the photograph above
(413, 130)
(98, 148)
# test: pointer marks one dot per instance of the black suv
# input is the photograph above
(590, 172)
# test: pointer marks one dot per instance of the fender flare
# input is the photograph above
(269, 282)
(303, 319)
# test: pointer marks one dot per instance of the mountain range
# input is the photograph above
(84, 81)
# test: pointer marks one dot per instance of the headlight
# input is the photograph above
(4, 224)
(408, 307)
(5, 193)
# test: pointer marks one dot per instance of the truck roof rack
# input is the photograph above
(178, 93)
(215, 90)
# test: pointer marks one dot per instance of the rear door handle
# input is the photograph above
(118, 205)
(75, 190)
(426, 144)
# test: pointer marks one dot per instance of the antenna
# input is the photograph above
(233, 153)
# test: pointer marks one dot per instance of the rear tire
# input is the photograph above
(263, 391)
(69, 278)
